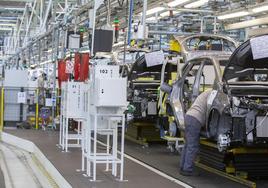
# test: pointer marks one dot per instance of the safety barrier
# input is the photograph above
(11, 110)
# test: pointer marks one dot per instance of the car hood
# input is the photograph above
(242, 63)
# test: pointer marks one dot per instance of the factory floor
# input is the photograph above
(156, 156)
(2, 180)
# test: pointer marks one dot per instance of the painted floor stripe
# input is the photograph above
(160, 173)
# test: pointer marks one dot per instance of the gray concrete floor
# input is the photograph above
(68, 163)
(156, 155)
(2, 180)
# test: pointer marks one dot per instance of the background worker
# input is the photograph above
(195, 118)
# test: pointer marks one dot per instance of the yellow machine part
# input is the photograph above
(174, 46)
(173, 77)
(145, 79)
(240, 150)
(2, 110)
(132, 43)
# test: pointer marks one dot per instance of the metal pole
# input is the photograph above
(37, 110)
(29, 24)
(2, 108)
(46, 15)
(131, 4)
(54, 60)
(125, 40)
(202, 25)
(108, 12)
(144, 18)
(97, 4)
(21, 106)
(215, 25)
(93, 29)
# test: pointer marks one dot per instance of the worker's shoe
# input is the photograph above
(189, 173)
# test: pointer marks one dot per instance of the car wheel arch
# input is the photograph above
(212, 122)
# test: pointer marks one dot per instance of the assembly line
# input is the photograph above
(137, 93)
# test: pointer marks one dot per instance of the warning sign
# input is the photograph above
(69, 67)
(21, 97)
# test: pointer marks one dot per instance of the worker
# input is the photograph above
(208, 45)
(194, 120)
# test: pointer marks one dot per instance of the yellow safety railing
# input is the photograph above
(37, 110)
(2, 109)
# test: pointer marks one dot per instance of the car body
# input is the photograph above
(238, 105)
(143, 90)
(205, 44)
(185, 89)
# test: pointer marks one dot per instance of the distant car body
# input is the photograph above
(205, 44)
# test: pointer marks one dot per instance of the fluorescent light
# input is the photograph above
(4, 20)
(49, 50)
(15, 8)
(247, 24)
(260, 9)
(196, 4)
(45, 62)
(7, 24)
(5, 28)
(167, 13)
(177, 2)
(154, 10)
(151, 18)
(233, 15)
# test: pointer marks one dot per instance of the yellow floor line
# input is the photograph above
(228, 176)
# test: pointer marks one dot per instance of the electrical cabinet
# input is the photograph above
(73, 99)
(106, 71)
(16, 78)
(111, 92)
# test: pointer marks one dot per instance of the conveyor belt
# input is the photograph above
(211, 157)
(252, 161)
(256, 165)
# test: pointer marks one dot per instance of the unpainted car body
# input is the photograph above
(143, 90)
(238, 105)
(205, 44)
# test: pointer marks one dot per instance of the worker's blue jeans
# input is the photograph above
(191, 147)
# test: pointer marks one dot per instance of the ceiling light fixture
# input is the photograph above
(151, 18)
(196, 4)
(233, 15)
(260, 9)
(6, 29)
(8, 24)
(247, 24)
(15, 8)
(154, 10)
(167, 13)
(4, 20)
(177, 2)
